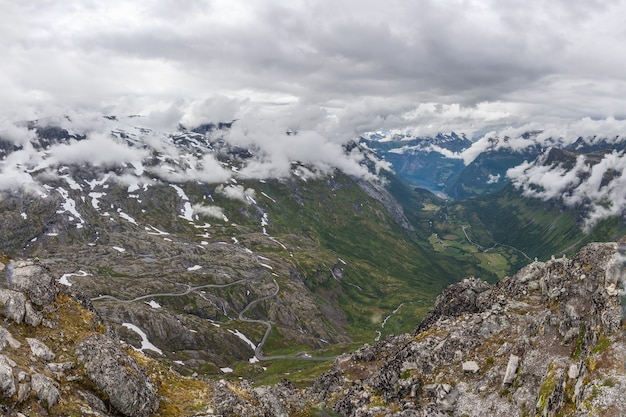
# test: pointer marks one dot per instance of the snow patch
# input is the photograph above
(69, 206)
(95, 199)
(156, 231)
(145, 343)
(243, 337)
(65, 281)
(126, 217)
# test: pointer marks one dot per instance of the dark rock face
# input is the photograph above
(468, 296)
(129, 390)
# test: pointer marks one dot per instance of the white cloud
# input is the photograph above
(432, 66)
(236, 192)
(599, 188)
(210, 211)
(99, 149)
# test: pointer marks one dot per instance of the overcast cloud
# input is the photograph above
(336, 67)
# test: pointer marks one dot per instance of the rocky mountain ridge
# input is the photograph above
(548, 340)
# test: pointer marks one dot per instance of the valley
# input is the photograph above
(263, 278)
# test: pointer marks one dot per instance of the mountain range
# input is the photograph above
(219, 255)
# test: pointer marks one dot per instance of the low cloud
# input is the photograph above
(521, 138)
(599, 189)
(210, 211)
(100, 149)
(236, 192)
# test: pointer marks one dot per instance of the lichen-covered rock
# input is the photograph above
(7, 382)
(14, 304)
(6, 338)
(467, 296)
(45, 389)
(39, 349)
(129, 389)
(18, 308)
(242, 399)
(32, 278)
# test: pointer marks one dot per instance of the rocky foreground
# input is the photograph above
(547, 341)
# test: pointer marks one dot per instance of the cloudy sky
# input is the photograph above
(341, 66)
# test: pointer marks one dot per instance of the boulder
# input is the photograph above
(39, 349)
(7, 382)
(6, 338)
(18, 308)
(470, 366)
(45, 389)
(32, 278)
(129, 389)
(468, 296)
(14, 304)
(511, 370)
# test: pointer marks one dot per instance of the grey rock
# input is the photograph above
(18, 308)
(32, 316)
(444, 395)
(270, 401)
(573, 371)
(60, 367)
(467, 296)
(94, 402)
(45, 389)
(7, 382)
(129, 389)
(14, 304)
(470, 366)
(39, 349)
(23, 391)
(34, 279)
(511, 370)
(6, 338)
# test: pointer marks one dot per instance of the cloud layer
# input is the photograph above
(441, 65)
(130, 151)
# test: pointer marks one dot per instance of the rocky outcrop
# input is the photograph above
(243, 399)
(114, 372)
(7, 382)
(32, 278)
(546, 341)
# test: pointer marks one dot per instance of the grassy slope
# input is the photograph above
(541, 229)
(383, 266)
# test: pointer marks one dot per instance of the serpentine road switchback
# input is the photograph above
(258, 351)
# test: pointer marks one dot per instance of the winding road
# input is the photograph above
(500, 244)
(258, 351)
(169, 294)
